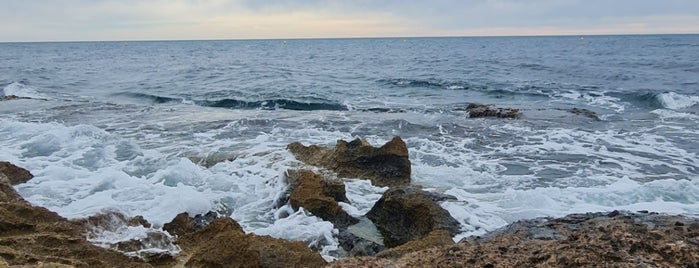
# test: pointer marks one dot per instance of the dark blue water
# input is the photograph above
(112, 124)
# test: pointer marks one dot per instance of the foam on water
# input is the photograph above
(21, 90)
(675, 101)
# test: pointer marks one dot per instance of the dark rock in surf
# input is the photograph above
(357, 246)
(584, 112)
(13, 97)
(319, 196)
(475, 110)
(387, 165)
(184, 224)
(15, 174)
(408, 213)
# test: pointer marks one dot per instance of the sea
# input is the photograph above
(157, 128)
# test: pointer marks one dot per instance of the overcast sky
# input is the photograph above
(63, 20)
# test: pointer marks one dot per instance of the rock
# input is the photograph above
(318, 196)
(212, 159)
(35, 236)
(407, 213)
(358, 246)
(584, 112)
(387, 165)
(435, 239)
(581, 240)
(13, 97)
(184, 224)
(15, 174)
(224, 244)
(475, 110)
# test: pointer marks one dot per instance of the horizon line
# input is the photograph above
(342, 38)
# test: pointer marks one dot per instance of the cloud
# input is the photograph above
(232, 19)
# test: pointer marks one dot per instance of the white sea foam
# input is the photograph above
(21, 90)
(675, 101)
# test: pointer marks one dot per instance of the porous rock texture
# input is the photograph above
(618, 239)
(35, 236)
(408, 213)
(318, 195)
(223, 243)
(387, 165)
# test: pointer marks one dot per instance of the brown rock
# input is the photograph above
(475, 110)
(578, 240)
(318, 196)
(435, 239)
(13, 97)
(408, 213)
(584, 112)
(387, 165)
(224, 244)
(36, 236)
(15, 174)
(184, 224)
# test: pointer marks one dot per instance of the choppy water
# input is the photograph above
(112, 123)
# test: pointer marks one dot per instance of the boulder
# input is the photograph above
(408, 213)
(184, 224)
(387, 165)
(475, 110)
(319, 196)
(223, 243)
(15, 174)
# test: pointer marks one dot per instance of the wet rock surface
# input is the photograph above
(584, 112)
(15, 174)
(319, 196)
(184, 224)
(617, 239)
(387, 165)
(224, 244)
(408, 213)
(12, 97)
(475, 110)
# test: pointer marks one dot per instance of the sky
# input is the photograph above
(98, 20)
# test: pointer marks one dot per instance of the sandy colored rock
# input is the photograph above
(387, 165)
(224, 244)
(318, 196)
(15, 174)
(408, 213)
(435, 239)
(578, 240)
(184, 224)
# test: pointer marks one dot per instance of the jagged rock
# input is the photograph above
(584, 112)
(619, 239)
(387, 165)
(36, 236)
(475, 110)
(408, 213)
(223, 243)
(212, 159)
(358, 246)
(435, 239)
(319, 196)
(184, 224)
(15, 174)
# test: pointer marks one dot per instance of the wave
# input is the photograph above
(273, 104)
(20, 89)
(430, 83)
(229, 103)
(653, 100)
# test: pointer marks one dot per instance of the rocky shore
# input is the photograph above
(416, 230)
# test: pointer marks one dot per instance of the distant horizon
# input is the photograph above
(341, 38)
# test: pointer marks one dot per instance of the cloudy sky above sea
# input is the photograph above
(63, 20)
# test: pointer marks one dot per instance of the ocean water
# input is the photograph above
(112, 126)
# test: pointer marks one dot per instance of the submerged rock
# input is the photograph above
(584, 112)
(408, 213)
(12, 97)
(319, 196)
(387, 165)
(475, 110)
(224, 244)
